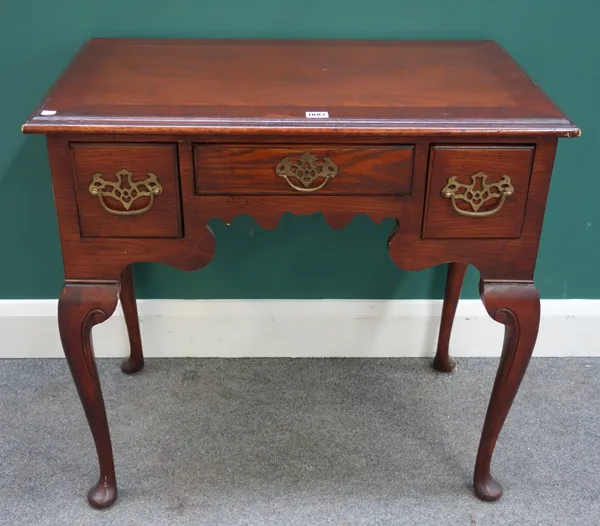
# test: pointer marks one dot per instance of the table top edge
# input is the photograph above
(196, 126)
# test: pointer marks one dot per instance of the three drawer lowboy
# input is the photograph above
(148, 139)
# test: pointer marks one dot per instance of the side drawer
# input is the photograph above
(334, 170)
(127, 189)
(477, 191)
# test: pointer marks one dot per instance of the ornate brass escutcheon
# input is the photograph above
(306, 170)
(477, 193)
(125, 192)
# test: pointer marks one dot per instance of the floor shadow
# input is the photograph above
(342, 426)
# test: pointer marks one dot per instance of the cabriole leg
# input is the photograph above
(80, 307)
(135, 362)
(517, 306)
(456, 275)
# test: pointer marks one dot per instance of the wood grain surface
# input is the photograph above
(463, 162)
(251, 170)
(198, 86)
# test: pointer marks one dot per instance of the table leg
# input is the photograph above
(456, 275)
(80, 307)
(517, 306)
(135, 362)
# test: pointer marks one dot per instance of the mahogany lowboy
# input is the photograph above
(149, 139)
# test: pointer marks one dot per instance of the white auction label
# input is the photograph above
(317, 115)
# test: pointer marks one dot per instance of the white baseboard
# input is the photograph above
(299, 328)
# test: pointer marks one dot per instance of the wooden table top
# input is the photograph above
(191, 86)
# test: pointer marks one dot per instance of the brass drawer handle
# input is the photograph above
(125, 194)
(306, 171)
(477, 193)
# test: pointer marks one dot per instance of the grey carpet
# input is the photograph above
(315, 442)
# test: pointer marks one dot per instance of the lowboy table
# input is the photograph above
(149, 139)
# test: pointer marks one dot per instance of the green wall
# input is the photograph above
(555, 41)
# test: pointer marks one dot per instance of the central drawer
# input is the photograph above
(294, 170)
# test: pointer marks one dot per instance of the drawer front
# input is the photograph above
(477, 191)
(259, 170)
(127, 190)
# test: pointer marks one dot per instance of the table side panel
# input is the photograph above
(104, 258)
